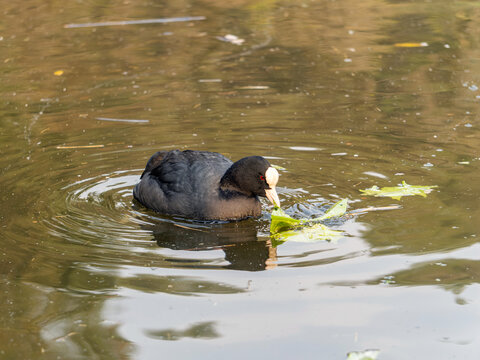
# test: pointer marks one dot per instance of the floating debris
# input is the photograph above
(79, 146)
(254, 87)
(209, 80)
(187, 227)
(373, 208)
(303, 148)
(375, 174)
(136, 22)
(122, 120)
(411, 44)
(233, 39)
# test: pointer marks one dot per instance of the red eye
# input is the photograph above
(262, 177)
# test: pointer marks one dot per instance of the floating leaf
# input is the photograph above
(363, 355)
(396, 192)
(411, 44)
(316, 232)
(338, 209)
(283, 227)
(281, 221)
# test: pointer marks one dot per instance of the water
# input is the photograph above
(342, 94)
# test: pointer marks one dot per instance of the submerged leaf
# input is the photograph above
(396, 192)
(363, 355)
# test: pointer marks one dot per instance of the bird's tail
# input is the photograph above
(154, 161)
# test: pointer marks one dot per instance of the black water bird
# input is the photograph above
(206, 185)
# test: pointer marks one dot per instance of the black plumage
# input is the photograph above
(205, 185)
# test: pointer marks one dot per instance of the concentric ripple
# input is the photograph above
(100, 215)
(99, 211)
(99, 220)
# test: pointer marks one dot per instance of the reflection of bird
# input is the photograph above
(205, 185)
(239, 242)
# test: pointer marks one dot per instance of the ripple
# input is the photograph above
(99, 208)
(99, 215)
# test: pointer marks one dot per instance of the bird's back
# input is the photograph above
(182, 182)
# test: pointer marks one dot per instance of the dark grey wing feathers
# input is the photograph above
(154, 161)
(182, 182)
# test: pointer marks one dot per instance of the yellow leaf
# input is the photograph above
(411, 44)
(58, 73)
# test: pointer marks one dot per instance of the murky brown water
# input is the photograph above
(323, 89)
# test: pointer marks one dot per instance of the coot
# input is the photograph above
(206, 185)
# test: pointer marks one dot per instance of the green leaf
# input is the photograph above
(281, 221)
(283, 227)
(363, 355)
(338, 209)
(396, 192)
(316, 232)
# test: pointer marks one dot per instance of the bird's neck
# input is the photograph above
(227, 182)
(230, 189)
(229, 186)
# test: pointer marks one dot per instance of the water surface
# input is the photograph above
(343, 95)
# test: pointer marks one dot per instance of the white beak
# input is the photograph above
(272, 196)
(271, 176)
